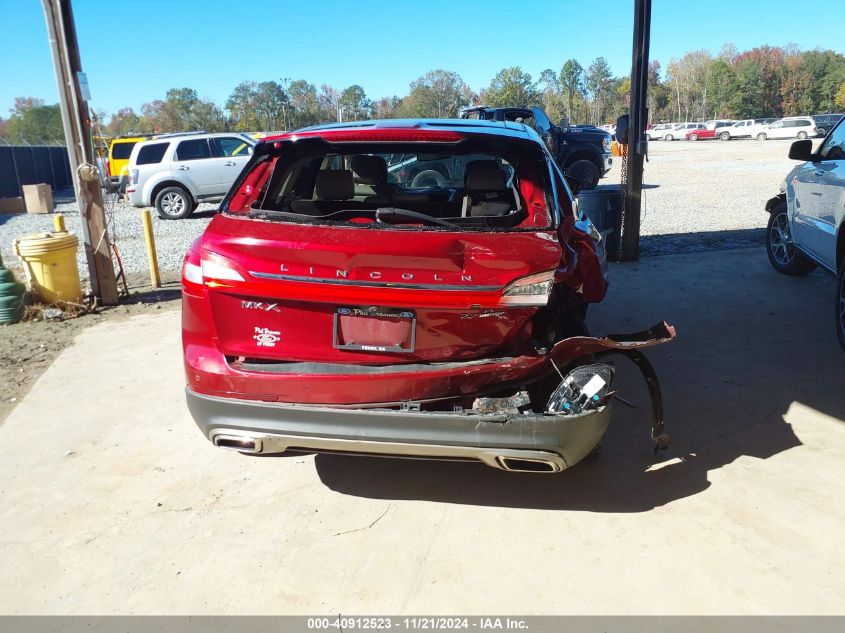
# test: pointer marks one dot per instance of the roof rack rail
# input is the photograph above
(171, 134)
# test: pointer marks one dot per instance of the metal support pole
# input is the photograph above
(77, 127)
(637, 145)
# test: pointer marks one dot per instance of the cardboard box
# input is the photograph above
(12, 205)
(38, 198)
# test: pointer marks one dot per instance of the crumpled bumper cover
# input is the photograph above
(559, 440)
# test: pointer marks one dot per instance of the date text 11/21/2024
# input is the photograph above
(433, 623)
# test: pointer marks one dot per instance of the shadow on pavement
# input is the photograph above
(679, 243)
(750, 343)
(5, 217)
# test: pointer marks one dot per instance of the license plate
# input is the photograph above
(374, 329)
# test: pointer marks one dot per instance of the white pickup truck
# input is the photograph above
(746, 128)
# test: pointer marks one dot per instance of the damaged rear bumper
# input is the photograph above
(516, 442)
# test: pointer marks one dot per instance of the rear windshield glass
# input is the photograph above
(150, 154)
(415, 186)
(121, 151)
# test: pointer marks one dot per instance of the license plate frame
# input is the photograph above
(374, 312)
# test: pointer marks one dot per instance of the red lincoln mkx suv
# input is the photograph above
(327, 307)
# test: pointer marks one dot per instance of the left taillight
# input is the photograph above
(208, 270)
(192, 269)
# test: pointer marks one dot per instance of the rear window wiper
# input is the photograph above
(386, 214)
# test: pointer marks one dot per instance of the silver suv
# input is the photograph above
(175, 172)
(807, 224)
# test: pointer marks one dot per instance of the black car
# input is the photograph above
(825, 122)
(581, 151)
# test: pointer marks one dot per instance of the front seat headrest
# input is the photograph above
(335, 184)
(371, 170)
(485, 175)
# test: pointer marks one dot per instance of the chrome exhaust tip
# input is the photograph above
(240, 443)
(525, 465)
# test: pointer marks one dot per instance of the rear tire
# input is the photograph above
(428, 178)
(725, 136)
(783, 256)
(761, 136)
(693, 137)
(840, 303)
(173, 203)
(802, 135)
(669, 137)
(585, 172)
(821, 131)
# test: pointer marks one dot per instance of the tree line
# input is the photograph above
(763, 81)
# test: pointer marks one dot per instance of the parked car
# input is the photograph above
(681, 130)
(747, 128)
(788, 127)
(807, 219)
(117, 163)
(175, 172)
(581, 151)
(710, 130)
(659, 131)
(826, 122)
(326, 308)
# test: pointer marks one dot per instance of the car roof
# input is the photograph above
(166, 138)
(510, 129)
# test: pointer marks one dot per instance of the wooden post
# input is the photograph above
(152, 257)
(77, 126)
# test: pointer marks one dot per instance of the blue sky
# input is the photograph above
(133, 52)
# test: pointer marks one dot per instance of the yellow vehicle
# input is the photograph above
(118, 161)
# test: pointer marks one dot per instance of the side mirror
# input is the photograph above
(564, 124)
(801, 150)
(622, 130)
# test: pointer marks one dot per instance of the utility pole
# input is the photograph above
(77, 126)
(637, 145)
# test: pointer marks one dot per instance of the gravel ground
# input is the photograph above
(707, 186)
(173, 237)
(712, 187)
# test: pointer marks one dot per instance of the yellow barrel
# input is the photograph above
(49, 260)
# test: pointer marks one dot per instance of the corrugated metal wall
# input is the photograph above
(32, 165)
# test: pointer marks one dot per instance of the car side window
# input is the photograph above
(151, 154)
(231, 146)
(833, 147)
(194, 149)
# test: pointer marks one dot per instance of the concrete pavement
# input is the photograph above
(112, 502)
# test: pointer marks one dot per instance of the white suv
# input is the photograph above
(175, 172)
(807, 223)
(658, 131)
(788, 127)
(679, 132)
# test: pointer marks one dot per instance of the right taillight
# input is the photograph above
(532, 290)
(133, 176)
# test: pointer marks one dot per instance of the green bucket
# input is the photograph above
(12, 295)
